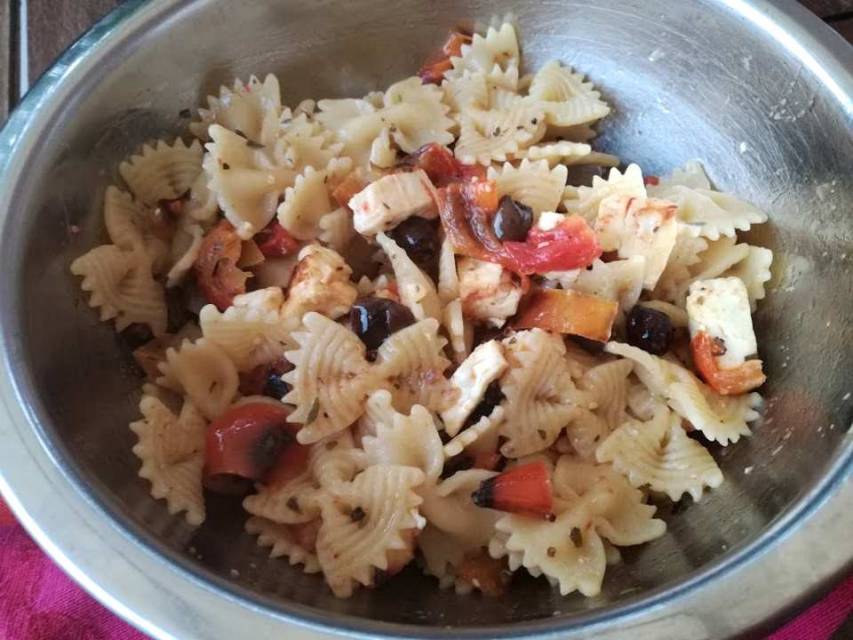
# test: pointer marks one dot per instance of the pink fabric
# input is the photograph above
(39, 602)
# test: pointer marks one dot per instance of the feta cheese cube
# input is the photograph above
(720, 308)
(485, 365)
(385, 203)
(320, 283)
(488, 291)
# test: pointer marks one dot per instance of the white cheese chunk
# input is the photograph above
(385, 203)
(720, 308)
(488, 291)
(644, 227)
(485, 365)
(321, 283)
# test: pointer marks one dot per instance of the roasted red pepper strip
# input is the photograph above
(569, 245)
(217, 274)
(523, 489)
(467, 210)
(740, 379)
(440, 165)
(349, 186)
(568, 312)
(432, 72)
(249, 440)
(274, 241)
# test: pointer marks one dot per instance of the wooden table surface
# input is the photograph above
(34, 32)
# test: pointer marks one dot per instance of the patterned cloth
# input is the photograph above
(39, 602)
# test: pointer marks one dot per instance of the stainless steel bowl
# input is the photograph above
(761, 92)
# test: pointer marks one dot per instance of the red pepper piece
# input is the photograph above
(248, 441)
(570, 245)
(734, 381)
(524, 489)
(217, 274)
(432, 71)
(274, 241)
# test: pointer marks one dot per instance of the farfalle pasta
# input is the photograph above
(405, 330)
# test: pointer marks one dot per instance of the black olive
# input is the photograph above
(374, 319)
(492, 398)
(274, 386)
(418, 237)
(512, 220)
(457, 463)
(137, 334)
(649, 329)
(268, 448)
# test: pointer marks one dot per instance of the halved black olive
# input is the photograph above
(374, 319)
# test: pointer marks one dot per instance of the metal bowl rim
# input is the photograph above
(19, 136)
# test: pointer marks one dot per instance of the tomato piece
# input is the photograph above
(265, 380)
(651, 180)
(745, 377)
(216, 271)
(569, 312)
(291, 463)
(248, 441)
(523, 489)
(274, 241)
(432, 71)
(570, 245)
(485, 573)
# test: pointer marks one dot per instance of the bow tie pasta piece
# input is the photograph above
(407, 440)
(469, 90)
(720, 418)
(531, 183)
(566, 152)
(303, 142)
(412, 362)
(330, 380)
(459, 330)
(378, 409)
(171, 448)
(186, 246)
(713, 213)
(607, 385)
(162, 172)
(253, 109)
(203, 371)
(253, 331)
(540, 395)
(355, 124)
(416, 114)
(567, 551)
(308, 200)
(586, 200)
(283, 541)
(676, 277)
(496, 55)
(122, 288)
(246, 182)
(658, 454)
(335, 461)
(130, 226)
(371, 526)
(584, 433)
(382, 153)
(620, 281)
(614, 508)
(567, 99)
(447, 506)
(498, 133)
(480, 436)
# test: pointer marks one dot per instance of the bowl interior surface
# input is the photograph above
(686, 80)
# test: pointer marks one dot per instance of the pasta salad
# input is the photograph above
(400, 333)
